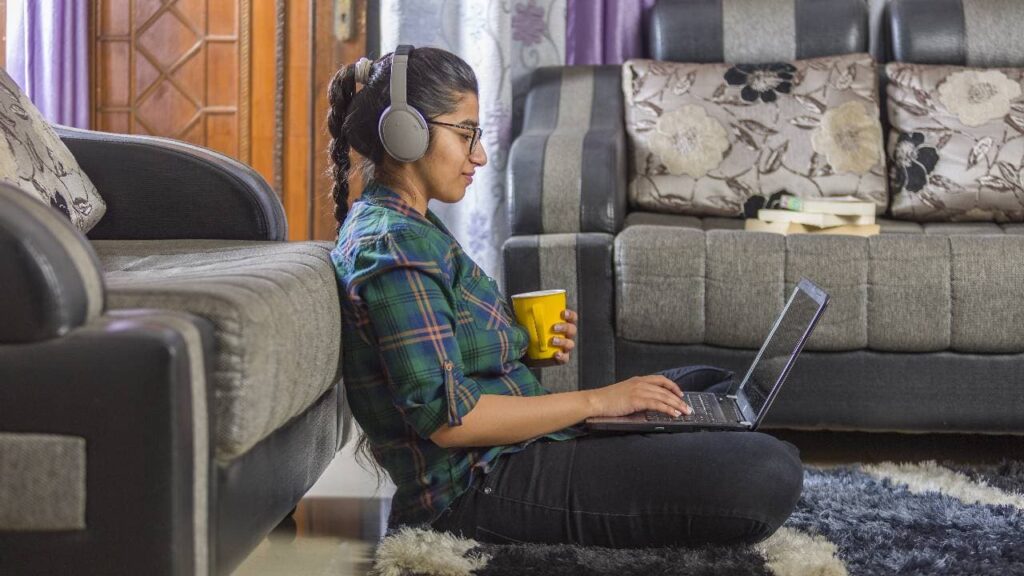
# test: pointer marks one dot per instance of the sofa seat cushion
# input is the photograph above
(912, 288)
(275, 309)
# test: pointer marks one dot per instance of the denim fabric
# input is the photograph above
(636, 490)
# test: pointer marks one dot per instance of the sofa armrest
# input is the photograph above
(581, 264)
(157, 188)
(126, 486)
(50, 279)
(567, 170)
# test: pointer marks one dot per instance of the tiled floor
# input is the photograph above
(337, 524)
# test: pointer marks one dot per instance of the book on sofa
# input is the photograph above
(793, 215)
(813, 219)
(785, 227)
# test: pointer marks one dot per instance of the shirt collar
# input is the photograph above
(381, 195)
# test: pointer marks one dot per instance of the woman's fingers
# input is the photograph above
(665, 397)
(665, 383)
(564, 343)
(565, 328)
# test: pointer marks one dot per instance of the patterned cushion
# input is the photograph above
(956, 146)
(706, 137)
(33, 158)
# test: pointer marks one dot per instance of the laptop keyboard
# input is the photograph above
(702, 404)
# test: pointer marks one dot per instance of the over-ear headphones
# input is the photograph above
(402, 128)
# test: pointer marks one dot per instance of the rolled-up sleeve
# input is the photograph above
(409, 309)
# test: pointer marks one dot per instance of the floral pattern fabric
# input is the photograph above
(705, 138)
(956, 146)
(33, 158)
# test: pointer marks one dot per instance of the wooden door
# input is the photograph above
(173, 69)
(247, 78)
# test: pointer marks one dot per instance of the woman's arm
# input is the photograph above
(497, 419)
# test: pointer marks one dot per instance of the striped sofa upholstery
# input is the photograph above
(919, 313)
(169, 386)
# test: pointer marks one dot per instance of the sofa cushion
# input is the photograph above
(917, 288)
(34, 159)
(956, 142)
(275, 309)
(706, 137)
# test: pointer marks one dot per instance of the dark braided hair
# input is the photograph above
(435, 81)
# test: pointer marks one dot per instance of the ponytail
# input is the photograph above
(340, 93)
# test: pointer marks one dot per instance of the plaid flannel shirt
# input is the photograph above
(425, 333)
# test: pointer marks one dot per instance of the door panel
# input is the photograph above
(212, 72)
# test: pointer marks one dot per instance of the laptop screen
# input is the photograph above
(783, 344)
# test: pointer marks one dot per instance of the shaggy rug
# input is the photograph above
(921, 518)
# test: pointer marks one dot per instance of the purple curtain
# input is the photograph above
(48, 56)
(605, 31)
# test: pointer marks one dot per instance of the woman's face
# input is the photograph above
(447, 167)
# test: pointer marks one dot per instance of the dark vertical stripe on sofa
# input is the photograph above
(686, 32)
(604, 156)
(596, 328)
(522, 270)
(526, 173)
(830, 27)
(928, 31)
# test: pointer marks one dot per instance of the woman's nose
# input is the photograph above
(479, 155)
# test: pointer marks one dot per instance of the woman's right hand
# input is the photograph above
(652, 392)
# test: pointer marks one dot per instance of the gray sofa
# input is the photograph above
(925, 330)
(169, 386)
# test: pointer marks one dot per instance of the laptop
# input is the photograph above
(744, 408)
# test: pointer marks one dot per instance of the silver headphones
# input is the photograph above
(402, 128)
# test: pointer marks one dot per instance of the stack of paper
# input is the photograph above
(819, 216)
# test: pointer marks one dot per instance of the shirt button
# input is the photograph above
(488, 490)
(448, 365)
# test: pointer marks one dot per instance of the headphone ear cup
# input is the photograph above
(404, 133)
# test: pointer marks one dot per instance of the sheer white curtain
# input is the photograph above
(503, 40)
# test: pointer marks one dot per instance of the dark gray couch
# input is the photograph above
(169, 386)
(925, 332)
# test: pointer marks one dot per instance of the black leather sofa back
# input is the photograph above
(747, 30)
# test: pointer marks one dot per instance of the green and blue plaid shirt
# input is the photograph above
(425, 333)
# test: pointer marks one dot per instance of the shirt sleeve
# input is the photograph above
(410, 310)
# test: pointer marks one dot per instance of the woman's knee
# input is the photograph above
(779, 475)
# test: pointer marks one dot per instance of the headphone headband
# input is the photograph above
(399, 65)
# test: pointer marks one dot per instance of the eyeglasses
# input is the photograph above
(478, 132)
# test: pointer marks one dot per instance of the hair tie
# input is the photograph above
(363, 66)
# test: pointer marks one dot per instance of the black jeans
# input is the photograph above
(635, 490)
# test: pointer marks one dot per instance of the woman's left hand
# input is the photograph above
(566, 340)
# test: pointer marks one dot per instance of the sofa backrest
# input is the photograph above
(747, 31)
(982, 33)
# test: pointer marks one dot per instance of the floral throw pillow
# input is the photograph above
(706, 137)
(33, 158)
(956, 146)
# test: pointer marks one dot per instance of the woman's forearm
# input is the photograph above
(498, 419)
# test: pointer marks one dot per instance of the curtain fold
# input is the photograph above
(48, 56)
(605, 31)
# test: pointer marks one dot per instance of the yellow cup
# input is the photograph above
(538, 312)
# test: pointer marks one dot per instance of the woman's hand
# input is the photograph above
(653, 392)
(566, 340)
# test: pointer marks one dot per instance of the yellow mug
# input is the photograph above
(538, 312)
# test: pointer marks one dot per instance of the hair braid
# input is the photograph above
(340, 93)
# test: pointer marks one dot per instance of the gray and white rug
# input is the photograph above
(872, 519)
